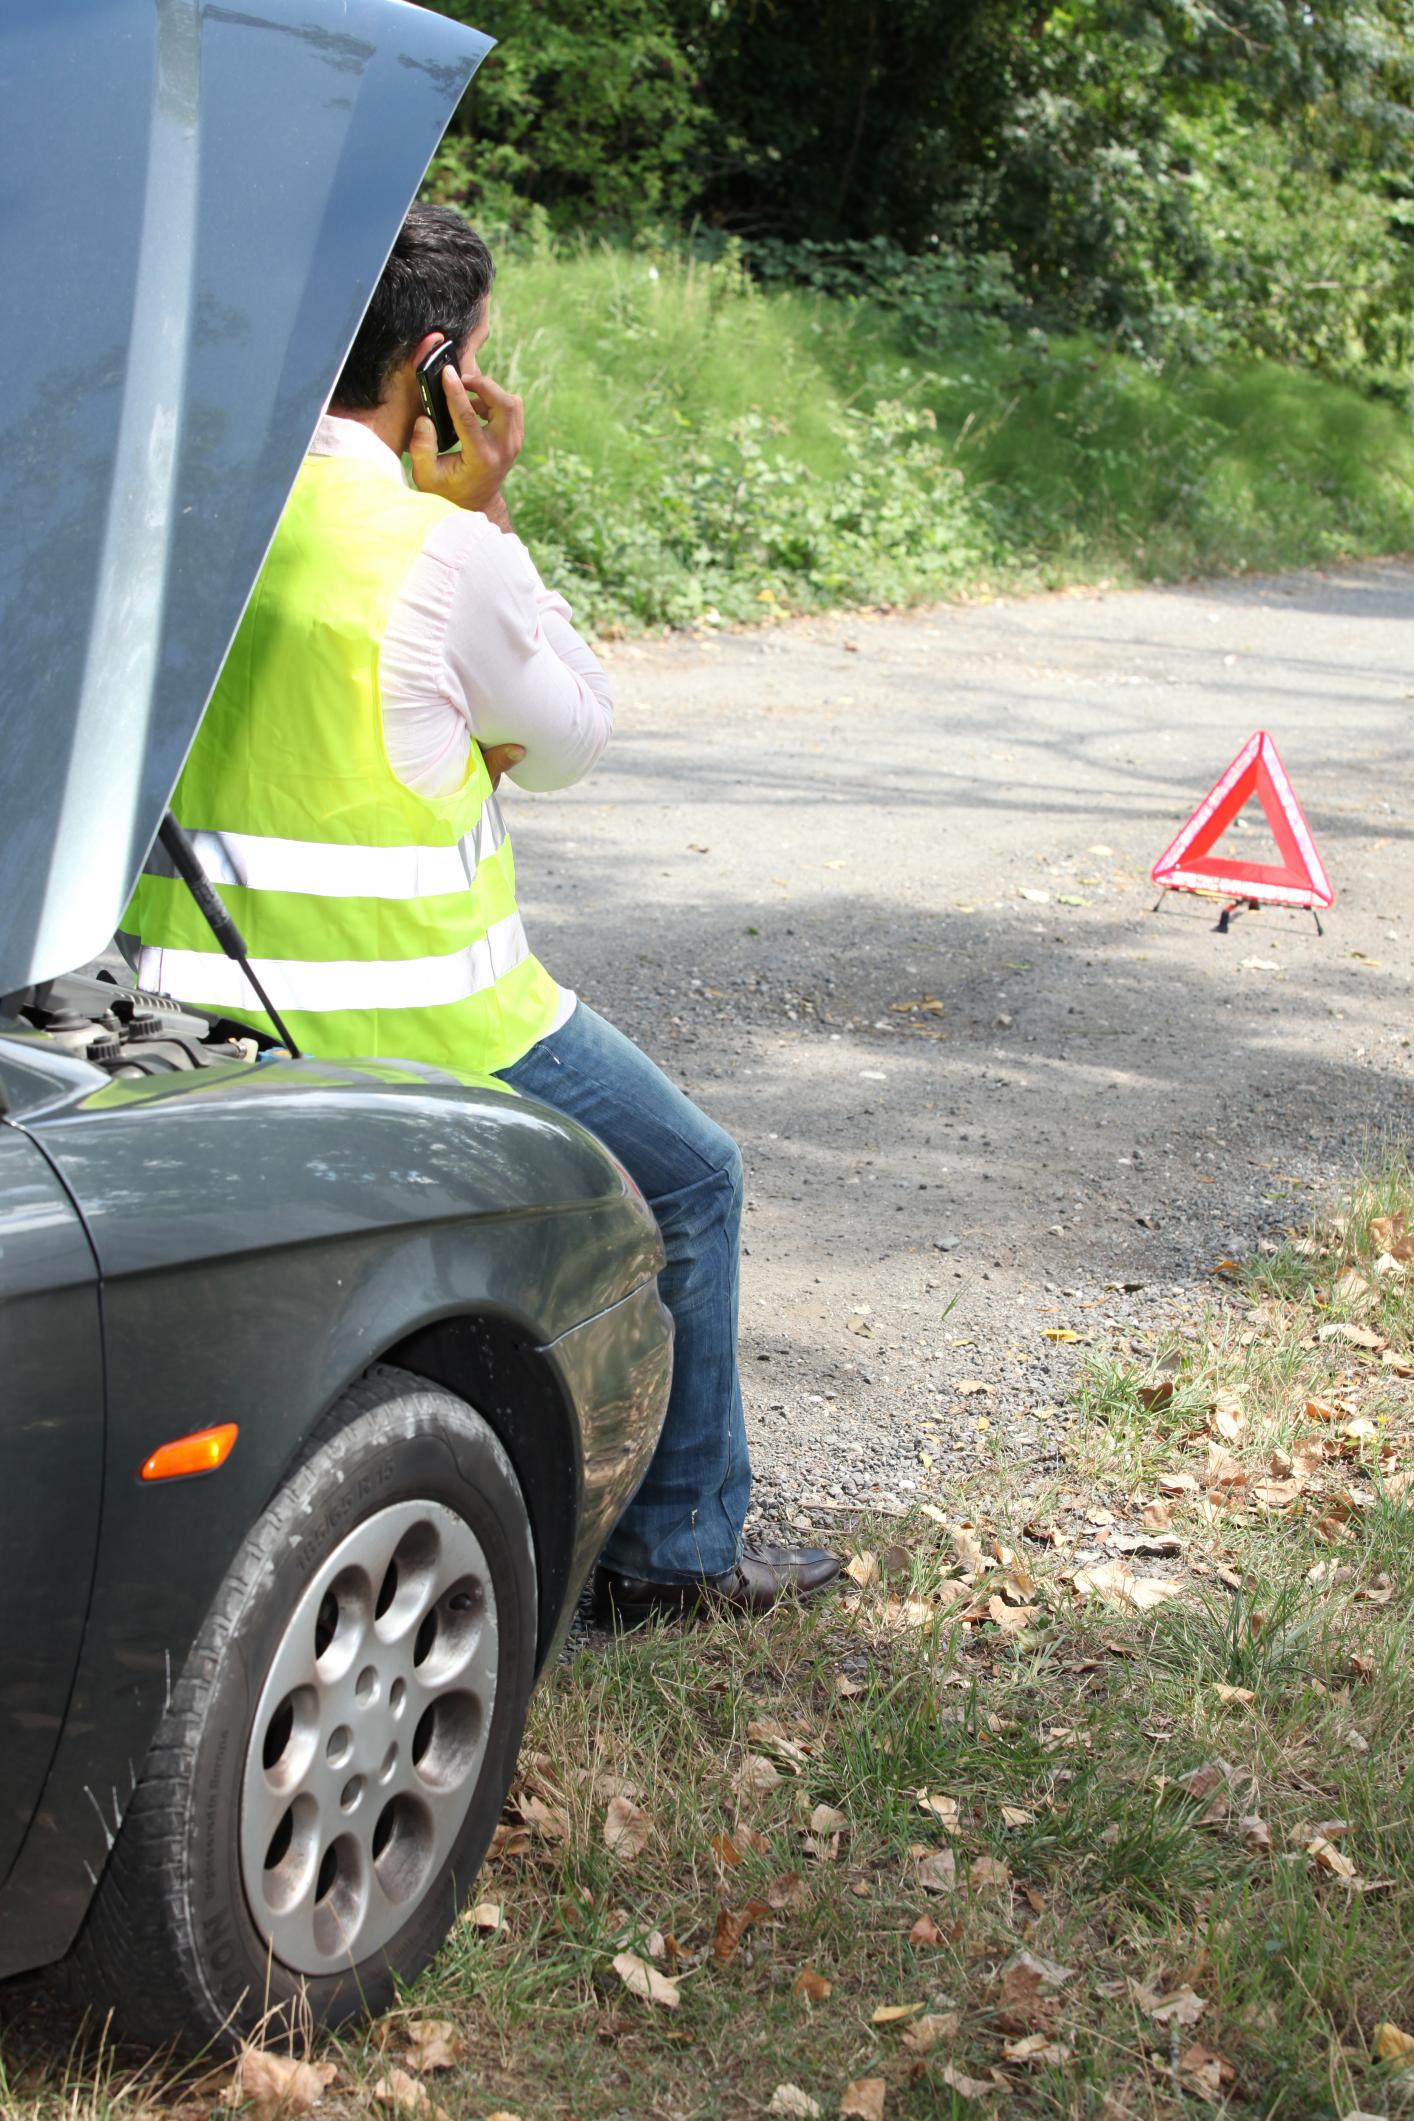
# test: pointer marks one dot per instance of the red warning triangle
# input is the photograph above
(1299, 879)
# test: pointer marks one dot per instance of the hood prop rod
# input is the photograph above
(184, 860)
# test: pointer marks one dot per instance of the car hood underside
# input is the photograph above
(198, 202)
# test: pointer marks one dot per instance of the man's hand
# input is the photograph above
(500, 758)
(491, 425)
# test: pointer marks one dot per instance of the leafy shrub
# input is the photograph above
(937, 298)
(1178, 178)
(736, 529)
(586, 109)
(698, 444)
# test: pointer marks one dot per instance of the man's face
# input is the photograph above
(468, 361)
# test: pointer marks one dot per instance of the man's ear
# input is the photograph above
(425, 345)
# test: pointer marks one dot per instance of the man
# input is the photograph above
(399, 654)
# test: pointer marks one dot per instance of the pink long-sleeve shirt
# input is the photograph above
(477, 649)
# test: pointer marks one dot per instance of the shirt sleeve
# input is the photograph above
(500, 661)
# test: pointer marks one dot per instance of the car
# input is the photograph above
(321, 1383)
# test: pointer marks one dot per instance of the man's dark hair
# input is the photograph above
(437, 279)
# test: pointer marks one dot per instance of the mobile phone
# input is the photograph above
(434, 396)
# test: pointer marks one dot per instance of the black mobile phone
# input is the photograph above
(434, 396)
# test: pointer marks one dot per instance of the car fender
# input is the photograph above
(263, 1235)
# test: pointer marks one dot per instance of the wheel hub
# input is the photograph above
(369, 1736)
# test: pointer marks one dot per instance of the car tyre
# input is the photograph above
(379, 1621)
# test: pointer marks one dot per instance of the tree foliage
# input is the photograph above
(1185, 175)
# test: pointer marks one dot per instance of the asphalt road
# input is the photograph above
(874, 889)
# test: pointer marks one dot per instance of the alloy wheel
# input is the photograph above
(369, 1736)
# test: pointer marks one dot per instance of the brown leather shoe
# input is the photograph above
(761, 1577)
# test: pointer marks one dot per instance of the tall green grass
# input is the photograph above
(697, 445)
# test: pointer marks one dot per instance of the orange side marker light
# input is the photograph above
(201, 1452)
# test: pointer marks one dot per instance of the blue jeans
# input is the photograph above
(686, 1519)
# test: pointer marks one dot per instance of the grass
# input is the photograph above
(701, 448)
(1117, 1833)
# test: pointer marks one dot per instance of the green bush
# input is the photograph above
(586, 110)
(698, 446)
(1177, 178)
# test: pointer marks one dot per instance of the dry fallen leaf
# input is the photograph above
(988, 1875)
(1242, 1694)
(1224, 1471)
(1117, 1584)
(893, 2013)
(937, 1872)
(551, 1820)
(757, 1773)
(1394, 2045)
(646, 1981)
(733, 1926)
(925, 1931)
(778, 1740)
(1011, 1619)
(627, 1829)
(1182, 2007)
(732, 1849)
(957, 2080)
(796, 2105)
(826, 1820)
(1207, 1785)
(1327, 1857)
(863, 1568)
(1255, 1832)
(486, 1915)
(864, 2099)
(967, 1547)
(944, 1808)
(1035, 2048)
(403, 2094)
(1229, 1422)
(1027, 1971)
(268, 2084)
(810, 1986)
(1354, 1336)
(1059, 1333)
(1205, 2072)
(788, 1889)
(926, 2032)
(1016, 1815)
(434, 2043)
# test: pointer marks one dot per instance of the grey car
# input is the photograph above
(321, 1384)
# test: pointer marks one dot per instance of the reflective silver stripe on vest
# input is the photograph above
(325, 869)
(341, 983)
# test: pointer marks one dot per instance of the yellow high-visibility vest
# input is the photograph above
(382, 923)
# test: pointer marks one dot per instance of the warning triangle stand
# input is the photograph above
(1298, 879)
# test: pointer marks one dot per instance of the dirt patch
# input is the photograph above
(874, 890)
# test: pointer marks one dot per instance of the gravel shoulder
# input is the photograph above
(874, 890)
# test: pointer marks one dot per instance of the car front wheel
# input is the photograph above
(322, 1791)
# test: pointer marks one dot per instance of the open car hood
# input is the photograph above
(195, 204)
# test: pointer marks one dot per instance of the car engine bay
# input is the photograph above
(127, 1031)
